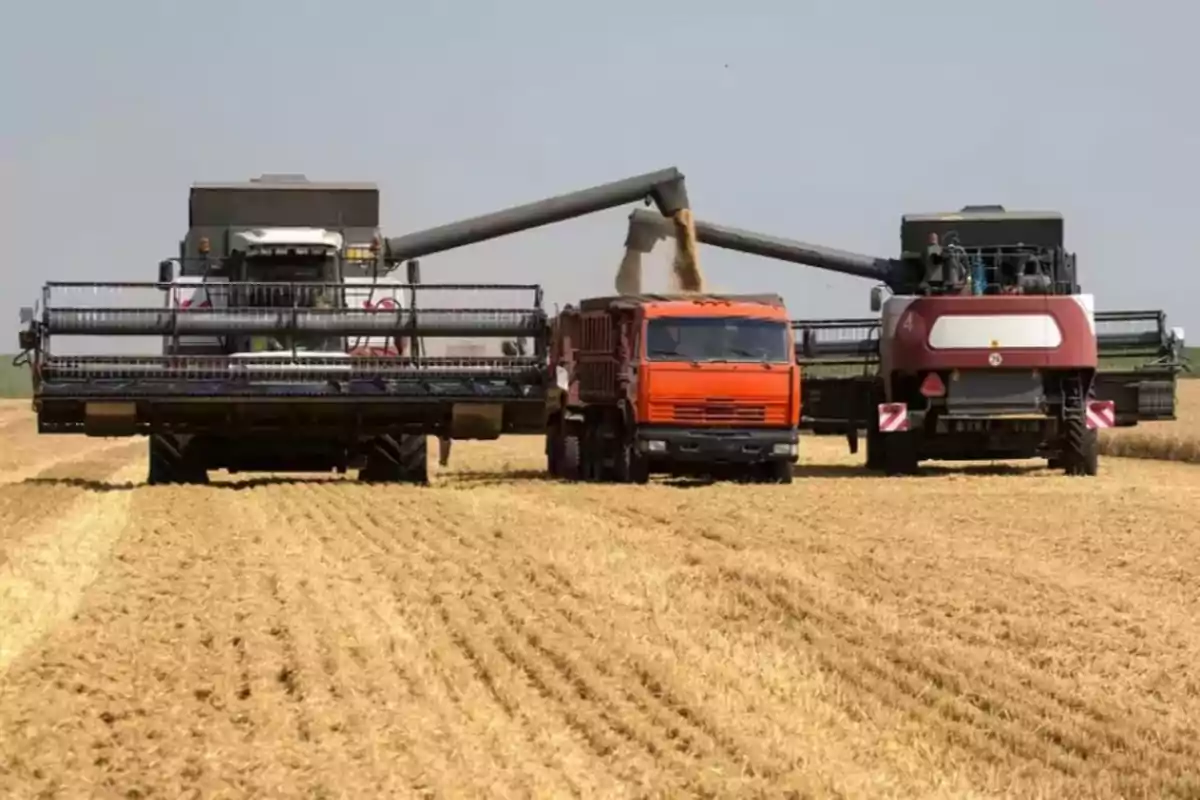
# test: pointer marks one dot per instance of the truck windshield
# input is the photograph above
(717, 339)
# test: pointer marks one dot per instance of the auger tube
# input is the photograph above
(666, 188)
(646, 227)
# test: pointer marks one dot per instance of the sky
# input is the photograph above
(821, 121)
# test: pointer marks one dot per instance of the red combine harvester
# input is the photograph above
(987, 349)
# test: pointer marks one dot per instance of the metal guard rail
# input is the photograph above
(285, 368)
(287, 318)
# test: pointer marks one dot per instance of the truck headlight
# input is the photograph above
(784, 449)
(654, 446)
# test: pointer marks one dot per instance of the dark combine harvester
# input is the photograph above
(987, 348)
(286, 348)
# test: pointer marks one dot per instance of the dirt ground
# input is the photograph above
(986, 631)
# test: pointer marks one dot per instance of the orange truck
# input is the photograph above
(678, 384)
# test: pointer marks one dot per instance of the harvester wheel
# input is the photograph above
(875, 446)
(899, 453)
(1080, 452)
(414, 458)
(170, 462)
(397, 459)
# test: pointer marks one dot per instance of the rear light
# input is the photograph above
(932, 386)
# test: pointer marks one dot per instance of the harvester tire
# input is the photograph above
(875, 446)
(1080, 452)
(414, 458)
(900, 453)
(170, 462)
(397, 459)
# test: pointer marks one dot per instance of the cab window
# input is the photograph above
(735, 339)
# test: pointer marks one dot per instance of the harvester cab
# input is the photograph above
(985, 346)
(278, 340)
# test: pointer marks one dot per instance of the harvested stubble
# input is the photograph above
(1164, 441)
(986, 632)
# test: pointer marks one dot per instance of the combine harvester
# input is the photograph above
(286, 349)
(986, 348)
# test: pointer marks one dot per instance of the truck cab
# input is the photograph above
(674, 384)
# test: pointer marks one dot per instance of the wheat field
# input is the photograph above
(989, 631)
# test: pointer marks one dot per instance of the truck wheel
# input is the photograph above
(631, 466)
(1080, 452)
(589, 456)
(899, 453)
(569, 466)
(171, 463)
(779, 472)
(554, 453)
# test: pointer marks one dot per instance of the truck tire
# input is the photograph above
(591, 455)
(171, 463)
(779, 472)
(554, 453)
(631, 466)
(1080, 451)
(569, 466)
(900, 453)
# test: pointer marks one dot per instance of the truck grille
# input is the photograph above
(719, 412)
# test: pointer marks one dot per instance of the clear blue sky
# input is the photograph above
(822, 121)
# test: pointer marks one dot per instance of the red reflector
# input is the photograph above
(932, 386)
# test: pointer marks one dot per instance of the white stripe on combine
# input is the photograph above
(962, 331)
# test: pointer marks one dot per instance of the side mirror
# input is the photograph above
(26, 315)
(876, 298)
(166, 272)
